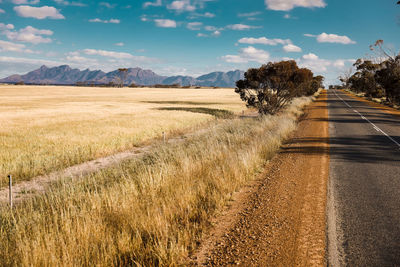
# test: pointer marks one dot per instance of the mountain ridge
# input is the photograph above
(65, 75)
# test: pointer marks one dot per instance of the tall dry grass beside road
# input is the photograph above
(47, 128)
(148, 211)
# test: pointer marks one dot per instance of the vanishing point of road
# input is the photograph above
(364, 186)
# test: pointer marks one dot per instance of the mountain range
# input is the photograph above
(65, 75)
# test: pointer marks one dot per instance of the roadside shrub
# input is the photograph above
(389, 78)
(272, 86)
(364, 79)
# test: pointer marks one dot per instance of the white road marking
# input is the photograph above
(364, 118)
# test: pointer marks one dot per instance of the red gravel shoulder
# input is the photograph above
(279, 220)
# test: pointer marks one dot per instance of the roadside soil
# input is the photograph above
(279, 220)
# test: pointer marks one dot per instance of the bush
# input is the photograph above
(272, 86)
(364, 79)
(389, 78)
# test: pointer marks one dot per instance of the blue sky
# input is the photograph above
(193, 37)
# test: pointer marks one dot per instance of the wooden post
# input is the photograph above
(10, 190)
(164, 139)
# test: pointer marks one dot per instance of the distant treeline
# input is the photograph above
(115, 84)
(133, 85)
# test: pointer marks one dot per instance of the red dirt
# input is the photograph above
(279, 220)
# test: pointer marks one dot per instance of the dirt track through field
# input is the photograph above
(39, 184)
(280, 219)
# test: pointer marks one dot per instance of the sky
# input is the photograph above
(194, 37)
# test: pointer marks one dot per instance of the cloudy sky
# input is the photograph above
(193, 37)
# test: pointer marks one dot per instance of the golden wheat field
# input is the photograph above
(46, 128)
(147, 211)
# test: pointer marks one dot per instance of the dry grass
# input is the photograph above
(46, 128)
(146, 212)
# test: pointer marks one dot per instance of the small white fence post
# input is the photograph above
(10, 190)
(164, 139)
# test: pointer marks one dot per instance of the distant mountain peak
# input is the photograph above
(64, 74)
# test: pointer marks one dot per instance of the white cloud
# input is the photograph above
(156, 3)
(6, 26)
(287, 16)
(112, 54)
(38, 12)
(194, 26)
(314, 63)
(120, 44)
(310, 56)
(106, 59)
(181, 5)
(32, 61)
(291, 48)
(210, 28)
(248, 54)
(205, 15)
(216, 33)
(286, 5)
(264, 41)
(250, 14)
(340, 63)
(69, 3)
(115, 21)
(2, 11)
(241, 27)
(29, 34)
(20, 2)
(334, 38)
(79, 59)
(13, 47)
(107, 5)
(319, 65)
(165, 23)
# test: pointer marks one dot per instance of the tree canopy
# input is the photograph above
(272, 86)
(378, 79)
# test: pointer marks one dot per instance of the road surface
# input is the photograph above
(364, 188)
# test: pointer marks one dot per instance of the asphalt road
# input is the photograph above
(364, 189)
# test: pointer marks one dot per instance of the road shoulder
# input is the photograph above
(279, 220)
(381, 107)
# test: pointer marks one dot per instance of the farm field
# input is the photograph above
(46, 128)
(147, 211)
